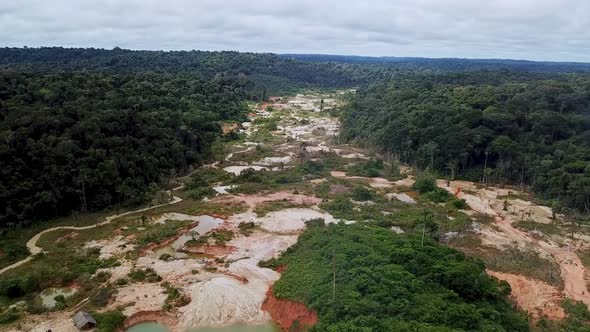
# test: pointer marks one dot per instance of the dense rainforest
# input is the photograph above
(528, 132)
(362, 277)
(86, 141)
(83, 129)
(449, 64)
(271, 73)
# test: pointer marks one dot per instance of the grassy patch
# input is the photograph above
(13, 241)
(62, 268)
(144, 275)
(529, 225)
(109, 321)
(515, 260)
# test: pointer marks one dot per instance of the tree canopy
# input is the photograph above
(365, 278)
(533, 133)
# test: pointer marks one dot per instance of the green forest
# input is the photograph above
(87, 141)
(494, 129)
(366, 278)
(83, 131)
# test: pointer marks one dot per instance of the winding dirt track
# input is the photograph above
(571, 267)
(34, 249)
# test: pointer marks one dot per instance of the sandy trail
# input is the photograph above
(230, 155)
(537, 297)
(34, 249)
(490, 201)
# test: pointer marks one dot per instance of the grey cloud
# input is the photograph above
(529, 29)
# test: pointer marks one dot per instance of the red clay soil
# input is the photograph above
(209, 250)
(534, 296)
(281, 268)
(285, 313)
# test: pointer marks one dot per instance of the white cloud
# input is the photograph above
(531, 29)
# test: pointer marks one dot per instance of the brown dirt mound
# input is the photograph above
(285, 313)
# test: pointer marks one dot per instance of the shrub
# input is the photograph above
(165, 257)
(121, 281)
(437, 195)
(148, 275)
(246, 228)
(340, 207)
(102, 276)
(459, 204)
(361, 193)
(9, 316)
(102, 296)
(222, 236)
(202, 192)
(369, 168)
(317, 222)
(109, 321)
(424, 183)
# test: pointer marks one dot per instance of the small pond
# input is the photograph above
(206, 224)
(48, 295)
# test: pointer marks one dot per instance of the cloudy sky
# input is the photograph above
(521, 29)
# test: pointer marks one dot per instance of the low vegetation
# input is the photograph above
(361, 277)
(109, 321)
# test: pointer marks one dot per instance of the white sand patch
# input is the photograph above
(401, 197)
(232, 154)
(140, 297)
(269, 161)
(62, 324)
(397, 230)
(206, 222)
(319, 148)
(223, 300)
(223, 190)
(236, 170)
(171, 269)
(117, 272)
(260, 245)
(110, 247)
(354, 155)
(291, 220)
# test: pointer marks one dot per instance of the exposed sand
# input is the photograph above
(111, 247)
(535, 296)
(292, 220)
(270, 161)
(34, 249)
(403, 197)
(236, 170)
(490, 201)
(254, 200)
